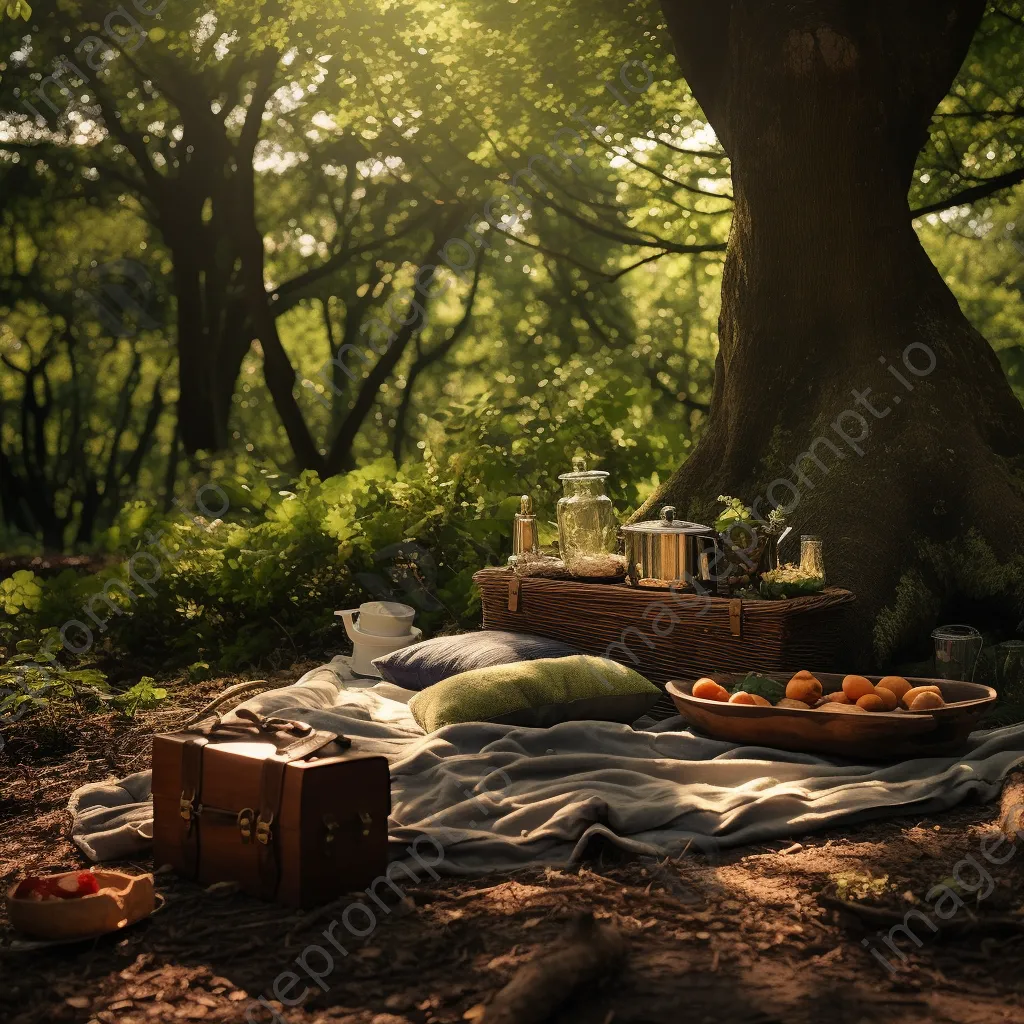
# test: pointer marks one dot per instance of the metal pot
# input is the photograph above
(668, 550)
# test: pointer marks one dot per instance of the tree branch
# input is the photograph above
(292, 292)
(426, 359)
(261, 93)
(1012, 18)
(986, 187)
(339, 457)
(981, 115)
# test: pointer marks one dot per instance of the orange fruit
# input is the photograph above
(909, 697)
(804, 687)
(752, 699)
(708, 689)
(871, 702)
(927, 701)
(856, 687)
(895, 684)
(888, 698)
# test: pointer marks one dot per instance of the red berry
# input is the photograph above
(87, 884)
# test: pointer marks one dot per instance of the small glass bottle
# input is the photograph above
(812, 555)
(587, 527)
(525, 538)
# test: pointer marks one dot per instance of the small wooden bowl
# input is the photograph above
(122, 900)
(873, 736)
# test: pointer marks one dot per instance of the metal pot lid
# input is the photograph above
(668, 524)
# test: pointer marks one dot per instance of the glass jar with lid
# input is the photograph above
(587, 527)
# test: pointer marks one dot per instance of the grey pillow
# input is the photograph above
(426, 663)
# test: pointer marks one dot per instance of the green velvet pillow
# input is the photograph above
(538, 694)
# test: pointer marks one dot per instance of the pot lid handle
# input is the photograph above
(526, 505)
(668, 513)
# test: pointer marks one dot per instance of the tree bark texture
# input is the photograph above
(849, 386)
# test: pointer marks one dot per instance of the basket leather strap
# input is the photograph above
(267, 824)
(736, 617)
(190, 807)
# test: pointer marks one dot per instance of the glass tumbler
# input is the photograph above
(957, 652)
(1009, 667)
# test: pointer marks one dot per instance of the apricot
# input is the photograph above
(871, 702)
(895, 684)
(803, 687)
(888, 698)
(752, 699)
(927, 701)
(856, 687)
(794, 705)
(908, 697)
(708, 689)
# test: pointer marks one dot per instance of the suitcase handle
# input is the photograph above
(293, 740)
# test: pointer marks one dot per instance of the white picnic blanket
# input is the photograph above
(499, 797)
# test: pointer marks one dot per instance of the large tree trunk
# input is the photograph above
(203, 423)
(823, 106)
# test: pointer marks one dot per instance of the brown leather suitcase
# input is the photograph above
(291, 813)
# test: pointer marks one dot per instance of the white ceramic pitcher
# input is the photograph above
(382, 627)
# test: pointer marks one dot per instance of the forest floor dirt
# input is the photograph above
(752, 938)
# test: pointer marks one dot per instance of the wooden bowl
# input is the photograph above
(873, 736)
(122, 900)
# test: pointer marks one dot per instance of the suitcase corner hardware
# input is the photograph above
(263, 832)
(367, 821)
(245, 818)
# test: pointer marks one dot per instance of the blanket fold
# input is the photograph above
(499, 797)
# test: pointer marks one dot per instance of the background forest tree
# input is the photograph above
(244, 241)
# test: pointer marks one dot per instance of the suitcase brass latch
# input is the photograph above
(263, 832)
(333, 828)
(367, 821)
(187, 808)
(245, 818)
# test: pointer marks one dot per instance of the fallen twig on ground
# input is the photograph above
(883, 917)
(590, 951)
(1011, 806)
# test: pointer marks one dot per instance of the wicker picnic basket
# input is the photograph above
(669, 635)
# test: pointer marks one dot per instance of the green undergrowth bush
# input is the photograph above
(257, 580)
